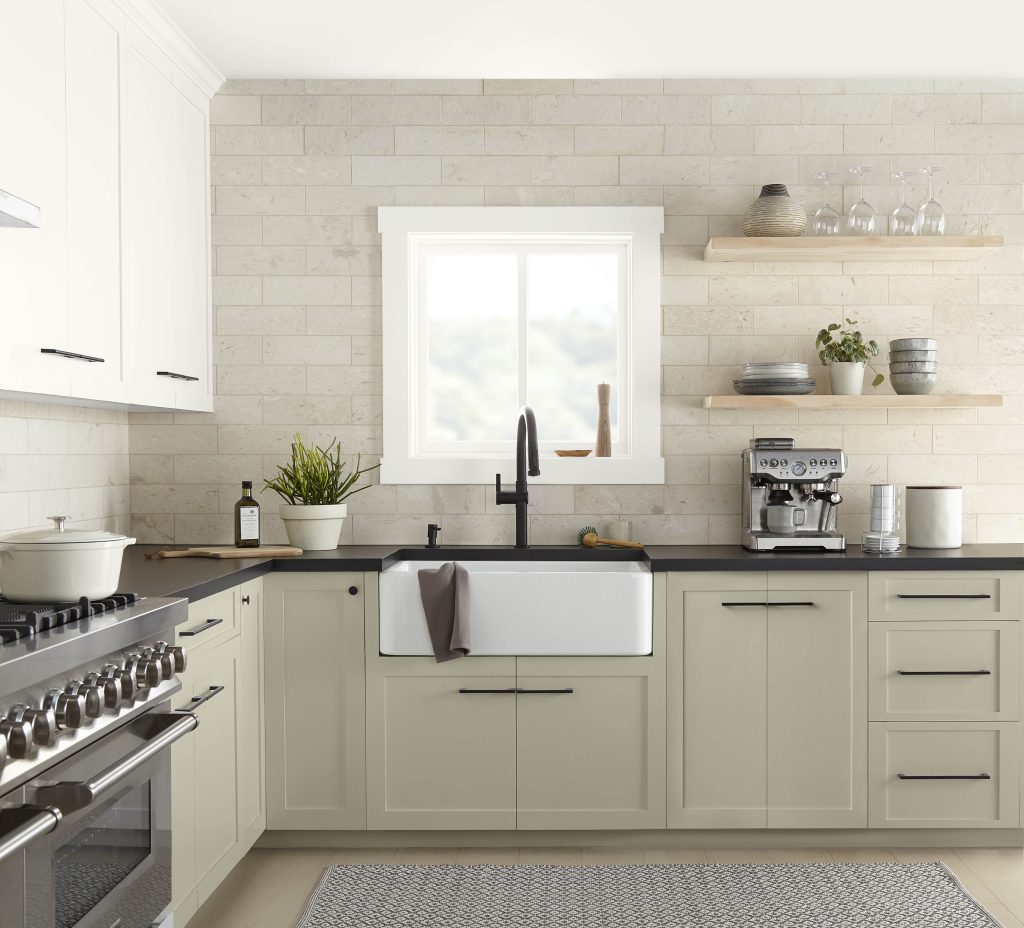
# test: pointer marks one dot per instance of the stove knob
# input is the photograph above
(109, 686)
(91, 695)
(146, 671)
(179, 654)
(165, 660)
(43, 722)
(17, 737)
(3, 753)
(68, 708)
(129, 691)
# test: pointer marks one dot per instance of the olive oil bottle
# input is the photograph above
(247, 519)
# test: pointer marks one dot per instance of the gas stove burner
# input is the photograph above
(23, 620)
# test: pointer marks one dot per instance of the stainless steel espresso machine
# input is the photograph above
(791, 495)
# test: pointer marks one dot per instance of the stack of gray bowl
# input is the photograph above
(913, 364)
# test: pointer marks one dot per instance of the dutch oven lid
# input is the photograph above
(58, 534)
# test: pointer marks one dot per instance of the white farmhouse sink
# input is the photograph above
(529, 607)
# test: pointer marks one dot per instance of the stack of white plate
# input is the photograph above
(774, 378)
(880, 542)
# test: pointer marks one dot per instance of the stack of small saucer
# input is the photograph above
(913, 364)
(778, 378)
(884, 537)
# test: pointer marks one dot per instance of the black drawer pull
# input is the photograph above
(199, 629)
(565, 691)
(246, 600)
(944, 673)
(801, 603)
(353, 590)
(73, 355)
(953, 776)
(510, 690)
(175, 376)
(197, 701)
(943, 595)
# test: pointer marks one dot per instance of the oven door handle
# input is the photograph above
(20, 827)
(166, 728)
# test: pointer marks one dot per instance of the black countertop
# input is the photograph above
(196, 577)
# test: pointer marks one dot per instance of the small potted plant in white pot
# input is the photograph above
(846, 354)
(314, 486)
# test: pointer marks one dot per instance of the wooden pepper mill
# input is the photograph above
(603, 448)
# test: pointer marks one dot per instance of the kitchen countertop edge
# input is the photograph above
(197, 578)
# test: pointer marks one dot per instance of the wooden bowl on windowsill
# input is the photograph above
(573, 452)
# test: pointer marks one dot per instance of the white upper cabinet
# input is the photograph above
(107, 128)
(93, 30)
(33, 278)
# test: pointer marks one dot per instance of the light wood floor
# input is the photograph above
(269, 888)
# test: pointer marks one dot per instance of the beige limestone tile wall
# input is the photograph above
(299, 168)
(63, 460)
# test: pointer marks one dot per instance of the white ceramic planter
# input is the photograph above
(57, 565)
(846, 378)
(314, 528)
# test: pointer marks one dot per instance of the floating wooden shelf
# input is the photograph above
(872, 401)
(854, 248)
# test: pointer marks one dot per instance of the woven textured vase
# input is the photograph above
(773, 213)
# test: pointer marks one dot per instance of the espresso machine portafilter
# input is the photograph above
(790, 496)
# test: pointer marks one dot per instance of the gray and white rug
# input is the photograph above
(663, 896)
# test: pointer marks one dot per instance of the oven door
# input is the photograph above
(107, 864)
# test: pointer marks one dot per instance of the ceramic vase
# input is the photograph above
(774, 214)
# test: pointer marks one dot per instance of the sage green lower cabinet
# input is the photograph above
(315, 699)
(767, 705)
(441, 743)
(945, 775)
(590, 743)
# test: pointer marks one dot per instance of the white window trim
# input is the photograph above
(642, 225)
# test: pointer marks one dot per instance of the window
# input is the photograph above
(490, 309)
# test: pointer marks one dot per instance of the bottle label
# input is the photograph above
(249, 523)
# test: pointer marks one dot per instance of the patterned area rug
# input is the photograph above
(675, 896)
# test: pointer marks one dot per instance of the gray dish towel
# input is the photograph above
(445, 596)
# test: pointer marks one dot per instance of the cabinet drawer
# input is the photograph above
(944, 671)
(930, 595)
(213, 619)
(944, 775)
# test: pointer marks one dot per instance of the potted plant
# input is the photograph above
(846, 354)
(313, 485)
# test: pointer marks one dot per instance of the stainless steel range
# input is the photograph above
(85, 720)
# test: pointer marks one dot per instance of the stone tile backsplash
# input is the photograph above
(299, 168)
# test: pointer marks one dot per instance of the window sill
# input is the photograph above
(553, 470)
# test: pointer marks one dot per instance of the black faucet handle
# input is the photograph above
(503, 496)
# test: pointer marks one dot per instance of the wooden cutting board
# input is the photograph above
(265, 551)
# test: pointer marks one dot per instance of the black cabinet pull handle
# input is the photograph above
(73, 355)
(801, 603)
(567, 690)
(245, 600)
(196, 701)
(199, 629)
(943, 595)
(175, 376)
(472, 692)
(944, 673)
(744, 604)
(352, 590)
(955, 776)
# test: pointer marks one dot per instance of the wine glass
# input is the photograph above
(931, 217)
(826, 220)
(904, 217)
(861, 220)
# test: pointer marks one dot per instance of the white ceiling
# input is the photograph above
(604, 38)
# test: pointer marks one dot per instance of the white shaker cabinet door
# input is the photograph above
(33, 274)
(94, 61)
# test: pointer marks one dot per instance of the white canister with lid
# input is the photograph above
(935, 517)
(56, 565)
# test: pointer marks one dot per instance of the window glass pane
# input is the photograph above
(472, 362)
(573, 312)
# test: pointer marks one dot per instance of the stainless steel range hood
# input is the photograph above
(16, 213)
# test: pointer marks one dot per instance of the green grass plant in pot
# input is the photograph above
(846, 354)
(314, 485)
